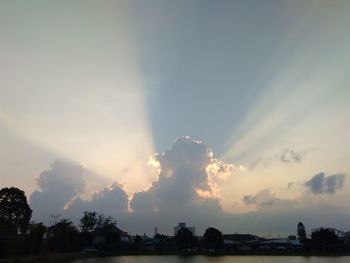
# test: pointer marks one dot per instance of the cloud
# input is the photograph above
(291, 156)
(57, 186)
(187, 190)
(188, 184)
(261, 199)
(111, 201)
(249, 199)
(290, 185)
(287, 156)
(60, 190)
(322, 184)
(282, 218)
(274, 213)
(187, 171)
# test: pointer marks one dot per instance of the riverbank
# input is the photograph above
(49, 258)
(64, 258)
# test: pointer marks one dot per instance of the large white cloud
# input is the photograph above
(187, 189)
(188, 172)
(61, 188)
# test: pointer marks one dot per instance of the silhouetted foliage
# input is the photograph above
(35, 238)
(137, 240)
(324, 236)
(301, 232)
(88, 222)
(213, 236)
(16, 245)
(63, 236)
(108, 226)
(97, 227)
(98, 231)
(7, 227)
(14, 208)
(184, 236)
(161, 237)
(105, 223)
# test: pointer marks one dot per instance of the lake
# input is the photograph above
(216, 259)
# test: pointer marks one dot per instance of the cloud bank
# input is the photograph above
(57, 186)
(111, 201)
(188, 184)
(188, 173)
(60, 190)
(187, 190)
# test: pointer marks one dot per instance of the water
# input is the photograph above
(216, 259)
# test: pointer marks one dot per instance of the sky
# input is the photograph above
(232, 114)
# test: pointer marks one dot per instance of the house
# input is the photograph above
(281, 244)
(240, 238)
(113, 235)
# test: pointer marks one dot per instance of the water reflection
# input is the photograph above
(216, 259)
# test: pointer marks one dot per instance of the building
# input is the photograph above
(114, 235)
(239, 238)
(183, 225)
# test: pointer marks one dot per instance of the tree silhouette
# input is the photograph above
(93, 223)
(55, 218)
(107, 226)
(89, 221)
(184, 236)
(213, 236)
(35, 237)
(6, 227)
(137, 240)
(63, 236)
(301, 232)
(105, 223)
(14, 208)
(324, 236)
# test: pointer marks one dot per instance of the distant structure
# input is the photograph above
(183, 225)
(234, 238)
(155, 231)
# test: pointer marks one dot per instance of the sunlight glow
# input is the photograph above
(93, 113)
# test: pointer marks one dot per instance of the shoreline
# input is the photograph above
(60, 258)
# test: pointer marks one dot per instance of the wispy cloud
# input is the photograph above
(286, 156)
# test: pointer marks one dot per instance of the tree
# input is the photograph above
(324, 236)
(35, 237)
(93, 223)
(137, 240)
(63, 236)
(88, 222)
(213, 236)
(14, 208)
(105, 223)
(184, 236)
(108, 227)
(301, 232)
(6, 227)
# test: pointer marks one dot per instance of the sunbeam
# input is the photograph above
(89, 108)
